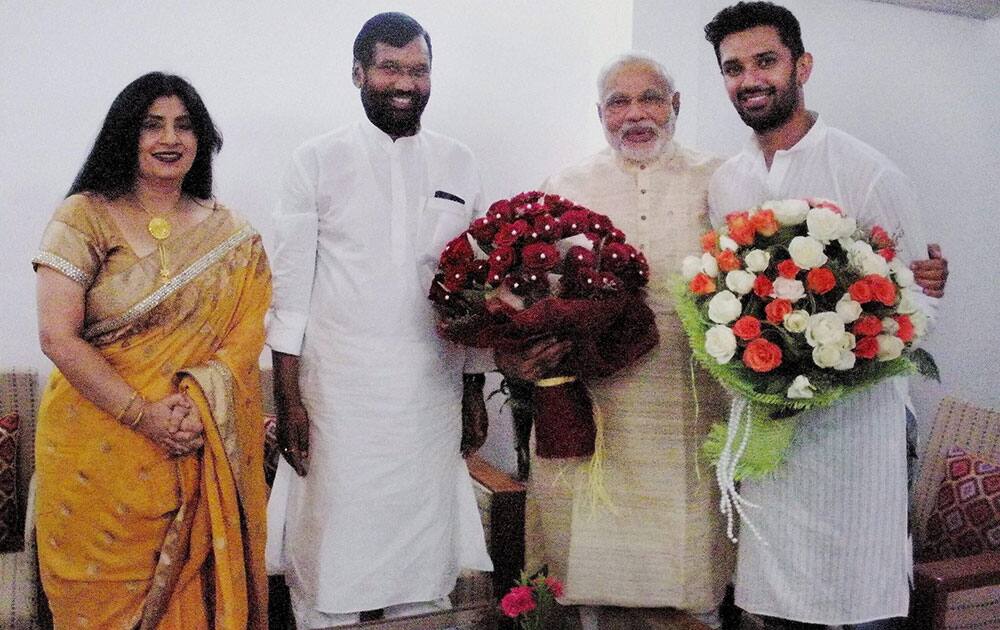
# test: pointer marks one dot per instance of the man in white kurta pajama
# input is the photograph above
(383, 515)
(833, 545)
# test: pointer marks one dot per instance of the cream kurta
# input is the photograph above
(664, 543)
(386, 514)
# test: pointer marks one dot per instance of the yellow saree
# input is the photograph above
(128, 536)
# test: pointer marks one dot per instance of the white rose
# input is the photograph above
(757, 260)
(727, 243)
(907, 302)
(824, 329)
(890, 326)
(919, 321)
(874, 264)
(791, 290)
(740, 282)
(709, 266)
(796, 321)
(826, 355)
(889, 347)
(720, 343)
(824, 224)
(848, 341)
(848, 226)
(806, 252)
(801, 387)
(847, 359)
(848, 309)
(902, 273)
(857, 252)
(690, 266)
(724, 307)
(789, 211)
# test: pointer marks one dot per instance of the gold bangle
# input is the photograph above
(121, 414)
(138, 418)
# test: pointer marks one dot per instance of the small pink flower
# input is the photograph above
(555, 586)
(518, 601)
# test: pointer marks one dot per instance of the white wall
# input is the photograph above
(922, 88)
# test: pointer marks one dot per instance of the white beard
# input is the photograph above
(648, 153)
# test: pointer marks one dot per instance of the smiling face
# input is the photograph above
(638, 112)
(762, 79)
(396, 86)
(167, 142)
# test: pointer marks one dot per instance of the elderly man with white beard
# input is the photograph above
(660, 545)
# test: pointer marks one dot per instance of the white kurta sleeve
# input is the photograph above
(293, 262)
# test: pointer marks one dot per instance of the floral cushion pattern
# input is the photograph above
(11, 536)
(966, 517)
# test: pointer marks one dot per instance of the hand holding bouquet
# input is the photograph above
(793, 306)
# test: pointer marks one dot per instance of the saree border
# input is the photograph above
(63, 266)
(155, 298)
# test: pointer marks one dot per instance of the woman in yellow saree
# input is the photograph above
(151, 299)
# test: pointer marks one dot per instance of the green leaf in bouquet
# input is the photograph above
(925, 364)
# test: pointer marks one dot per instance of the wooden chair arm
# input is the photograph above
(506, 518)
(935, 580)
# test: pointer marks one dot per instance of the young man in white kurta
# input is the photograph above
(833, 546)
(385, 514)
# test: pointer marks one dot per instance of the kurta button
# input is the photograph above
(642, 167)
(643, 191)
(642, 216)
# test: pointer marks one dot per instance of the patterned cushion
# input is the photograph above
(11, 536)
(271, 453)
(966, 517)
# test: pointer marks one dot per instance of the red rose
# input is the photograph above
(616, 236)
(860, 292)
(547, 227)
(555, 586)
(578, 256)
(502, 258)
(636, 274)
(484, 229)
(587, 281)
(557, 204)
(740, 228)
(905, 331)
(530, 196)
(501, 211)
(761, 355)
(747, 327)
(820, 280)
(710, 242)
(880, 238)
(727, 260)
(509, 233)
(776, 311)
(887, 252)
(454, 278)
(762, 286)
(702, 285)
(882, 288)
(599, 223)
(574, 221)
(788, 269)
(457, 251)
(540, 256)
(534, 209)
(478, 270)
(518, 601)
(867, 326)
(609, 281)
(614, 256)
(866, 348)
(764, 223)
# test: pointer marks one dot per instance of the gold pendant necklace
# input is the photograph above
(159, 228)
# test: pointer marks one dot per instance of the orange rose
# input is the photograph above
(762, 286)
(866, 348)
(761, 355)
(880, 238)
(820, 280)
(887, 252)
(882, 288)
(860, 292)
(867, 326)
(776, 311)
(905, 331)
(741, 229)
(765, 223)
(747, 327)
(710, 242)
(788, 269)
(702, 285)
(727, 260)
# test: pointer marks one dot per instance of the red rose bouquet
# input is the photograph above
(536, 266)
(793, 307)
(530, 600)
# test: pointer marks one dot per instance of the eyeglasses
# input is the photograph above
(396, 71)
(649, 100)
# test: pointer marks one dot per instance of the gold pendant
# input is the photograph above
(159, 228)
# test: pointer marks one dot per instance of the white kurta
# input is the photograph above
(386, 514)
(833, 518)
(662, 544)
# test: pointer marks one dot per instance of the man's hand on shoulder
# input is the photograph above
(931, 274)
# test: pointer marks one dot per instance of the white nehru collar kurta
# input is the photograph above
(386, 514)
(833, 518)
